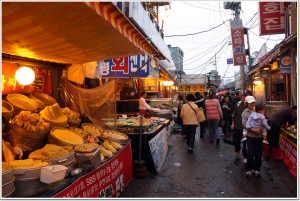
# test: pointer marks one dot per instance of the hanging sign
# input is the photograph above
(271, 18)
(42, 82)
(238, 45)
(264, 74)
(285, 63)
(230, 61)
(108, 180)
(124, 67)
(192, 88)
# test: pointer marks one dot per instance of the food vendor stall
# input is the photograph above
(48, 45)
(288, 147)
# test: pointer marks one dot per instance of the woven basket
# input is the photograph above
(28, 139)
(7, 109)
(42, 99)
(21, 103)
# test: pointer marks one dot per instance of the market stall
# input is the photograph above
(288, 147)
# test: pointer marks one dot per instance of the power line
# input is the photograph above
(265, 38)
(200, 31)
(201, 7)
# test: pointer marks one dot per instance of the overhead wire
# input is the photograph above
(201, 7)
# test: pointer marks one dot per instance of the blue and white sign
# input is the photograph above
(230, 61)
(125, 67)
(285, 63)
(159, 148)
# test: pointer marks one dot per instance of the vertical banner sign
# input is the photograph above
(42, 82)
(289, 154)
(125, 67)
(159, 148)
(238, 45)
(285, 63)
(108, 180)
(271, 18)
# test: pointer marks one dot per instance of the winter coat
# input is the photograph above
(188, 115)
(213, 109)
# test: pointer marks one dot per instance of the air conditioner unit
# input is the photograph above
(227, 5)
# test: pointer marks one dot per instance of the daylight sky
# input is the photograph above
(186, 17)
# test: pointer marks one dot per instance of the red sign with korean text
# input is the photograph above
(42, 82)
(271, 18)
(289, 154)
(109, 180)
(238, 44)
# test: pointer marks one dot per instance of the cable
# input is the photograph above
(228, 28)
(201, 7)
(198, 32)
(265, 38)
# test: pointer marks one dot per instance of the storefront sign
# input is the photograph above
(230, 61)
(238, 45)
(264, 74)
(285, 63)
(124, 67)
(159, 148)
(42, 82)
(271, 16)
(247, 79)
(109, 180)
(289, 153)
(191, 88)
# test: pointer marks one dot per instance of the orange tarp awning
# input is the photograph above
(69, 32)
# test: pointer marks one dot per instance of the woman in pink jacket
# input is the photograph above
(213, 115)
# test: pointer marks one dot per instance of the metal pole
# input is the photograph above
(140, 139)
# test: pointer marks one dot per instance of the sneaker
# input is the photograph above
(245, 160)
(248, 174)
(237, 154)
(265, 142)
(257, 173)
(243, 139)
(190, 150)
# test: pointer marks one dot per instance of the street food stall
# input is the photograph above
(67, 152)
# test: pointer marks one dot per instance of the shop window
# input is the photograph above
(278, 87)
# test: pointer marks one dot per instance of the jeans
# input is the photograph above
(254, 146)
(237, 138)
(213, 126)
(190, 131)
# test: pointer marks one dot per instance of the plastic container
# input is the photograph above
(53, 173)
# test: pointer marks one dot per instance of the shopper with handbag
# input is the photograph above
(189, 117)
(213, 115)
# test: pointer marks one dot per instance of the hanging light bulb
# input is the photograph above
(25, 75)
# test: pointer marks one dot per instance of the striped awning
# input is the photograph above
(69, 32)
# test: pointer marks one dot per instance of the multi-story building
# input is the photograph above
(177, 57)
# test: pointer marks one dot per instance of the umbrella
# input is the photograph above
(222, 92)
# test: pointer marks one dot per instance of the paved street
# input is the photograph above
(211, 172)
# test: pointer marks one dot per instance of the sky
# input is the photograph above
(202, 50)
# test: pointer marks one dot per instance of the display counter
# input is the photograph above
(288, 147)
(108, 180)
(154, 144)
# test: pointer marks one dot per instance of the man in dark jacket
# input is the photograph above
(237, 126)
(200, 102)
(278, 119)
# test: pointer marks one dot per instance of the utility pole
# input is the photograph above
(236, 7)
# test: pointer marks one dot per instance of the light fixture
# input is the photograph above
(257, 82)
(168, 83)
(25, 75)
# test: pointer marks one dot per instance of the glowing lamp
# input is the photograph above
(25, 75)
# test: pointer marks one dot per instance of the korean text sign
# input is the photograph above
(109, 180)
(159, 148)
(238, 44)
(125, 67)
(42, 82)
(289, 152)
(271, 16)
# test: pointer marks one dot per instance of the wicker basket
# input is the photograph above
(73, 123)
(59, 142)
(42, 99)
(8, 111)
(28, 140)
(21, 103)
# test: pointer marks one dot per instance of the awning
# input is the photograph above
(274, 53)
(69, 32)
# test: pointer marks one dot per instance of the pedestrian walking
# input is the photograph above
(254, 141)
(190, 122)
(200, 102)
(238, 97)
(237, 126)
(213, 115)
(284, 115)
(181, 101)
(227, 110)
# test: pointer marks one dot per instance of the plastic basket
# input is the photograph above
(53, 173)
